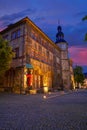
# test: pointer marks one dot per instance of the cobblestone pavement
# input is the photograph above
(33, 112)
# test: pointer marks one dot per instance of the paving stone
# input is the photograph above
(32, 112)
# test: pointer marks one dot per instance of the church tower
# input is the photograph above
(65, 67)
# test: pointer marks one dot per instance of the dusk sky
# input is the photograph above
(46, 14)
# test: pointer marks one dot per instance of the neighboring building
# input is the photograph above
(38, 61)
(72, 74)
(85, 81)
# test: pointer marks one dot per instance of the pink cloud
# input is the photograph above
(78, 55)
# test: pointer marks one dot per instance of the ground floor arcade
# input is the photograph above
(32, 76)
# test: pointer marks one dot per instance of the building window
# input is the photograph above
(50, 56)
(35, 46)
(40, 48)
(18, 33)
(15, 34)
(16, 51)
(47, 53)
(33, 35)
(57, 60)
(5, 37)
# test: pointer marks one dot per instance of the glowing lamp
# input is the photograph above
(45, 89)
(44, 97)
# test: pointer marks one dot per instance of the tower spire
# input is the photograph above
(60, 34)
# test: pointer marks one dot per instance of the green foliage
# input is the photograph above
(83, 19)
(85, 37)
(6, 56)
(78, 74)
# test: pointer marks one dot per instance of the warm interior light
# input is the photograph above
(45, 89)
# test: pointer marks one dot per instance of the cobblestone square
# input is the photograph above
(33, 112)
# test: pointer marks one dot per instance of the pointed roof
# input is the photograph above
(60, 35)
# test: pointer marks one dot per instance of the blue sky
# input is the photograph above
(46, 14)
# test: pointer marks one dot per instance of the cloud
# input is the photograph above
(79, 55)
(74, 34)
(11, 18)
(80, 14)
(7, 19)
(39, 19)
